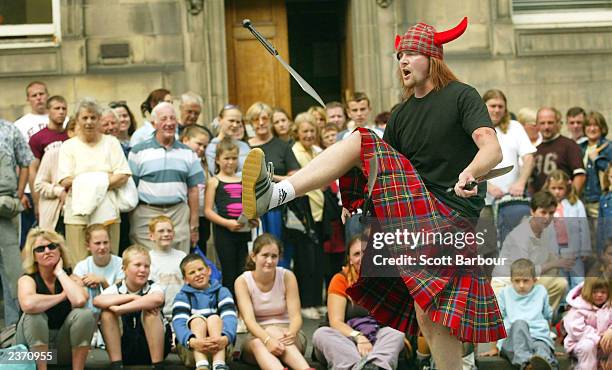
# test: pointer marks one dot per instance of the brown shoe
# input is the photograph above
(539, 363)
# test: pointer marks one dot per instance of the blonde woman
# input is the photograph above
(52, 301)
(309, 255)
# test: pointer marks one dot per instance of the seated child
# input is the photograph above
(526, 312)
(535, 239)
(204, 316)
(589, 324)
(101, 269)
(165, 260)
(131, 323)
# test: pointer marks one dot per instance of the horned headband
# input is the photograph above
(423, 39)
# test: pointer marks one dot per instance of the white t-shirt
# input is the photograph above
(112, 272)
(514, 144)
(123, 289)
(166, 272)
(29, 125)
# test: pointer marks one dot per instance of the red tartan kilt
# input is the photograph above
(459, 299)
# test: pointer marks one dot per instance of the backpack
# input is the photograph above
(215, 273)
(134, 346)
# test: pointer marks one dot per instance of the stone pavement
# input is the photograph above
(99, 360)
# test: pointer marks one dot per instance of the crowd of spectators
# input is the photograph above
(118, 258)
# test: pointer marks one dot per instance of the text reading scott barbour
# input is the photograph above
(414, 240)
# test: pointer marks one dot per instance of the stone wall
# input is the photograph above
(150, 44)
(562, 64)
(557, 64)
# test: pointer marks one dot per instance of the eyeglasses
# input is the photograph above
(41, 248)
(118, 103)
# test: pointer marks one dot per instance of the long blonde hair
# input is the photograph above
(504, 122)
(29, 264)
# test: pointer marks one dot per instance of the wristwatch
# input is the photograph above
(354, 334)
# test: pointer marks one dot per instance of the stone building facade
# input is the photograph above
(122, 49)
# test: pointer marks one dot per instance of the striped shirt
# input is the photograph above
(164, 175)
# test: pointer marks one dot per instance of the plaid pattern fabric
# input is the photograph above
(460, 299)
(420, 39)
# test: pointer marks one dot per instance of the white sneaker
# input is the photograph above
(311, 313)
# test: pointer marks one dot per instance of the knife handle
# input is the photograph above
(470, 185)
(246, 23)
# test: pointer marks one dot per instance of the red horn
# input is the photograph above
(450, 35)
(398, 39)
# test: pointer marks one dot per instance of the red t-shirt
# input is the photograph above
(557, 154)
(46, 139)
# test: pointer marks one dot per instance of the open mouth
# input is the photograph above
(406, 73)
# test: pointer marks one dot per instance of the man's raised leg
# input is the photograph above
(259, 194)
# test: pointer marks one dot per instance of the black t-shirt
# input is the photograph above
(435, 133)
(280, 154)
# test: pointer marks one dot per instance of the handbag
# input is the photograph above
(126, 196)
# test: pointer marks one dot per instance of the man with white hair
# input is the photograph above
(190, 109)
(167, 173)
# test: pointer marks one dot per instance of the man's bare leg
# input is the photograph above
(259, 195)
(445, 348)
(332, 163)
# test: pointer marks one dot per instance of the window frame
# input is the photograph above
(50, 33)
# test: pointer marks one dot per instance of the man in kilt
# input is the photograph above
(440, 136)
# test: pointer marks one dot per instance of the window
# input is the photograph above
(29, 23)
(561, 13)
(534, 5)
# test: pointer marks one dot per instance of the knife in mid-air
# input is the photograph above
(246, 23)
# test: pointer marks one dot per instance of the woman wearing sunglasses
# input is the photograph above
(51, 299)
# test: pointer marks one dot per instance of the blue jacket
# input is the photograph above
(592, 188)
(215, 300)
(604, 221)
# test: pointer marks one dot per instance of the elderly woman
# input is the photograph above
(51, 299)
(269, 302)
(597, 152)
(278, 152)
(89, 204)
(353, 339)
(309, 255)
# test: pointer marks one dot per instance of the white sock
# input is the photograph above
(282, 192)
(218, 362)
(202, 363)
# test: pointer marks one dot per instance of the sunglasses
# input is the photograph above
(41, 248)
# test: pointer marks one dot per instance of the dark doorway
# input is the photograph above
(317, 40)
